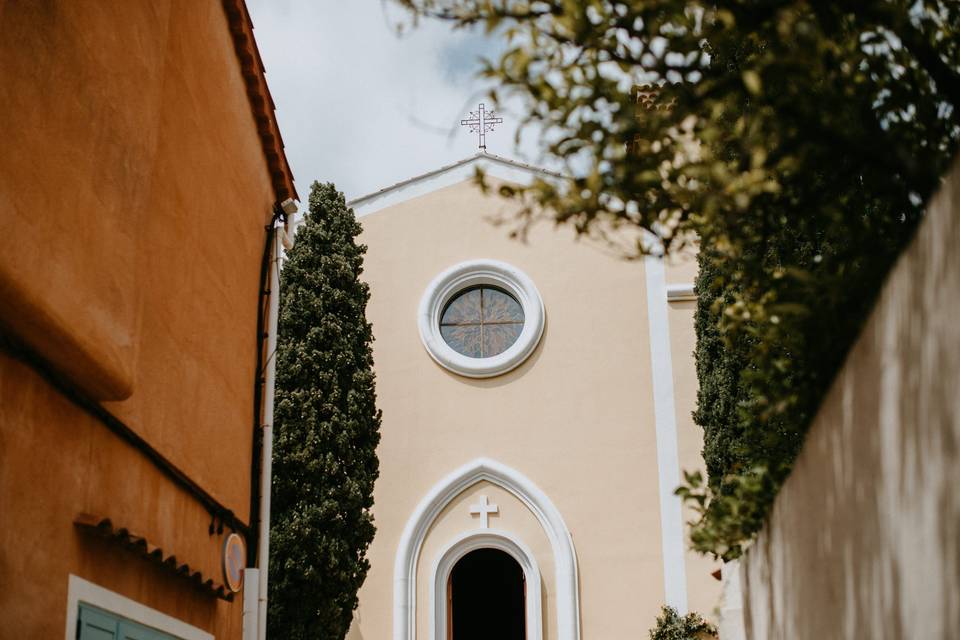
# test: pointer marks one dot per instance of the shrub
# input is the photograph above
(672, 626)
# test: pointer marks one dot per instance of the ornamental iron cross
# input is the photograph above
(484, 510)
(481, 121)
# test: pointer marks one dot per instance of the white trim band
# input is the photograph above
(470, 274)
(668, 463)
(681, 292)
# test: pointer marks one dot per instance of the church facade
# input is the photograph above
(537, 402)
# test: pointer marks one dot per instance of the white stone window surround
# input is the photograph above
(485, 539)
(473, 273)
(80, 590)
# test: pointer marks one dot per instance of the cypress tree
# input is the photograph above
(327, 428)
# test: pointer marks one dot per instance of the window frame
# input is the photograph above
(478, 273)
(80, 591)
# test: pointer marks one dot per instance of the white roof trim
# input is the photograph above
(496, 166)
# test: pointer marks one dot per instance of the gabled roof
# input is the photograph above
(493, 165)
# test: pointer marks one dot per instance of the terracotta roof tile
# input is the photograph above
(142, 547)
(261, 103)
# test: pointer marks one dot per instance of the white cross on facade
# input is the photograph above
(481, 121)
(484, 510)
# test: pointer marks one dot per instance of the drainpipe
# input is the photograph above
(251, 592)
(263, 562)
(255, 617)
(266, 465)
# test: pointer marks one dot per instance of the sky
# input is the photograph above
(364, 108)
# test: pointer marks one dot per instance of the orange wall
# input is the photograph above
(56, 462)
(133, 197)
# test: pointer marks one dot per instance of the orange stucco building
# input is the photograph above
(140, 165)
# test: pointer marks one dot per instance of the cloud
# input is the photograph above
(360, 106)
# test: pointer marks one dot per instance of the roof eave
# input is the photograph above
(456, 165)
(261, 102)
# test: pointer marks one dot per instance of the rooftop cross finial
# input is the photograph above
(481, 121)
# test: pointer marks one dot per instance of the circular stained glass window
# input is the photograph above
(480, 318)
(481, 322)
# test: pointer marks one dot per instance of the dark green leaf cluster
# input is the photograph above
(796, 140)
(672, 626)
(327, 427)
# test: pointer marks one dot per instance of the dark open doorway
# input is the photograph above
(486, 597)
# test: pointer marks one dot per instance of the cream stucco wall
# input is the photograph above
(576, 418)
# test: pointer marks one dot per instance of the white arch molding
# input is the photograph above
(485, 539)
(411, 542)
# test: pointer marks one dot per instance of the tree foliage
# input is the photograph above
(672, 626)
(327, 428)
(796, 139)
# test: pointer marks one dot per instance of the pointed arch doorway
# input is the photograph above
(486, 597)
(564, 583)
(485, 571)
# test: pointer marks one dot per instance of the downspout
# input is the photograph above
(266, 466)
(255, 619)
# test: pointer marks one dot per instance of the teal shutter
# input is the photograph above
(97, 624)
(132, 631)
